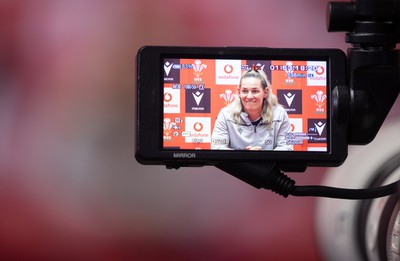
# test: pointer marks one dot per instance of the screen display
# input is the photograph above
(200, 96)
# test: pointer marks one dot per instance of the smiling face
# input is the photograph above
(252, 95)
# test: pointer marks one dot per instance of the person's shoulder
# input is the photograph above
(279, 108)
(227, 110)
(279, 112)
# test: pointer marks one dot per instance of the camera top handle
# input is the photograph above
(373, 29)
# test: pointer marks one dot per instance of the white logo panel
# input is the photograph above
(197, 129)
(316, 73)
(172, 100)
(228, 72)
(296, 125)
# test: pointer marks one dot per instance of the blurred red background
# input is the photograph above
(70, 187)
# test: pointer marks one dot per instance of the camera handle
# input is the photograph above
(373, 29)
(373, 77)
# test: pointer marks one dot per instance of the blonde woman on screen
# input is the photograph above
(255, 120)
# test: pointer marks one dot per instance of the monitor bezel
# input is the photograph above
(149, 115)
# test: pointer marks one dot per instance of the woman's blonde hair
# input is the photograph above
(268, 102)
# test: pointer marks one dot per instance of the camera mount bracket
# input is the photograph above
(373, 29)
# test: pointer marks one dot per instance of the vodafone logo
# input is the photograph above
(296, 125)
(228, 72)
(320, 70)
(198, 126)
(167, 97)
(172, 103)
(228, 69)
(316, 75)
(197, 129)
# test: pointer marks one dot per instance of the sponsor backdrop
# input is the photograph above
(195, 90)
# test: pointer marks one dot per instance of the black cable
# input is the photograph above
(373, 190)
(270, 177)
(331, 192)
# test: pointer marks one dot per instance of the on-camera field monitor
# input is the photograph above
(181, 91)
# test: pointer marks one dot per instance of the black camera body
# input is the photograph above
(181, 90)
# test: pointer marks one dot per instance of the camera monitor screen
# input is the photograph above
(196, 90)
(205, 105)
